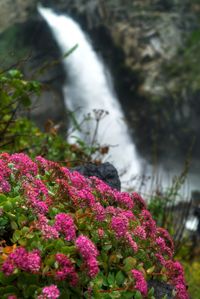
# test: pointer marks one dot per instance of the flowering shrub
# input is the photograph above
(67, 236)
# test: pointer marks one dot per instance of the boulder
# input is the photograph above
(105, 171)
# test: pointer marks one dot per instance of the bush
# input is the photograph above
(67, 236)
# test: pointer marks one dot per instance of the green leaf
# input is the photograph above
(16, 236)
(6, 280)
(3, 198)
(151, 292)
(68, 249)
(111, 279)
(8, 206)
(119, 278)
(14, 225)
(30, 290)
(128, 295)
(138, 295)
(129, 263)
(8, 290)
(107, 247)
(15, 74)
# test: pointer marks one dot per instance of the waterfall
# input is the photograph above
(89, 87)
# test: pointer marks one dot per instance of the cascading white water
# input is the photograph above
(88, 88)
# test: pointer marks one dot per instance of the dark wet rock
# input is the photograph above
(105, 171)
(161, 289)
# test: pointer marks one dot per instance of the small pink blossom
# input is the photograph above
(64, 223)
(120, 225)
(101, 233)
(124, 199)
(139, 200)
(20, 258)
(148, 223)
(131, 242)
(48, 232)
(50, 292)
(89, 252)
(163, 247)
(86, 247)
(66, 269)
(140, 283)
(23, 164)
(140, 232)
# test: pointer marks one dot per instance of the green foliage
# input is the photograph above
(19, 134)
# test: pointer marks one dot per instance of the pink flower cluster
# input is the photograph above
(66, 270)
(89, 253)
(84, 206)
(140, 283)
(21, 259)
(4, 175)
(48, 231)
(131, 242)
(140, 232)
(175, 274)
(120, 225)
(148, 223)
(23, 165)
(36, 194)
(65, 224)
(50, 292)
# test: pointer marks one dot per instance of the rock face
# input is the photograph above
(14, 11)
(140, 41)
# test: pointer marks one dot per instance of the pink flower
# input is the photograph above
(160, 259)
(66, 269)
(148, 223)
(120, 225)
(4, 185)
(50, 292)
(65, 224)
(33, 190)
(20, 258)
(78, 180)
(23, 164)
(5, 172)
(86, 198)
(100, 233)
(175, 274)
(48, 232)
(166, 236)
(139, 231)
(99, 210)
(131, 242)
(12, 297)
(89, 252)
(92, 265)
(86, 247)
(140, 283)
(8, 267)
(163, 247)
(139, 200)
(124, 199)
